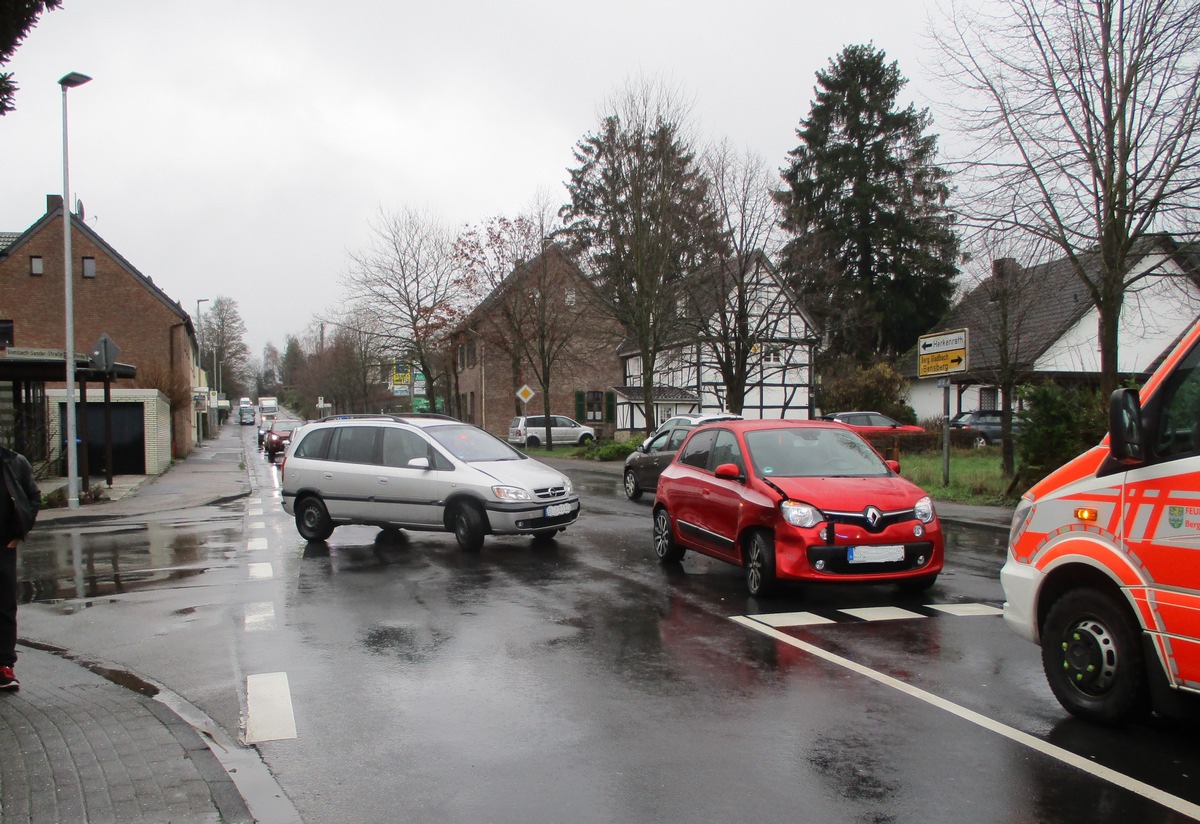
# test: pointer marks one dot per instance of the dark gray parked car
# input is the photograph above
(985, 423)
(643, 467)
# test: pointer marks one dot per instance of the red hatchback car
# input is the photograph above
(799, 501)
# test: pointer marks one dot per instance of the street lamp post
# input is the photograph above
(199, 340)
(69, 81)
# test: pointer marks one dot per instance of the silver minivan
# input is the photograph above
(530, 431)
(420, 473)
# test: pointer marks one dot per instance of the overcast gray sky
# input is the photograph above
(242, 147)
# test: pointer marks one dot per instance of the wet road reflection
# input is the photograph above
(102, 561)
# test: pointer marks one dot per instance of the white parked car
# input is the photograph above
(530, 431)
(421, 473)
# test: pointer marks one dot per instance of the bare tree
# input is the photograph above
(1004, 309)
(1085, 116)
(641, 216)
(411, 289)
(739, 302)
(224, 333)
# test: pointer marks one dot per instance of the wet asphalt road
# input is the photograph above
(584, 682)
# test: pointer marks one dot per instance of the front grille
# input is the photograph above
(836, 563)
(859, 519)
(550, 492)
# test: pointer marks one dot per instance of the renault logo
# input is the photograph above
(873, 516)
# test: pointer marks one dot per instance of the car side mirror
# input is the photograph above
(728, 472)
(639, 448)
(1126, 433)
(894, 466)
(418, 463)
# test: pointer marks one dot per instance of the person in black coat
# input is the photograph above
(19, 505)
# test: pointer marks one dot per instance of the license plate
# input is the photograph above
(554, 510)
(887, 553)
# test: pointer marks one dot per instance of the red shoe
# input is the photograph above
(8, 681)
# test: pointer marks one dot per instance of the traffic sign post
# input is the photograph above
(943, 353)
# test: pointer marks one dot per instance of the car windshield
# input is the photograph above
(472, 444)
(284, 426)
(816, 452)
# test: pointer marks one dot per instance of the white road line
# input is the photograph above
(260, 570)
(791, 619)
(257, 543)
(1017, 736)
(254, 510)
(269, 714)
(258, 616)
(257, 525)
(964, 610)
(882, 613)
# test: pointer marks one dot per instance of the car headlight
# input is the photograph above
(798, 514)
(511, 493)
(567, 485)
(924, 510)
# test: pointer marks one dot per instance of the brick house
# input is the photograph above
(155, 334)
(545, 311)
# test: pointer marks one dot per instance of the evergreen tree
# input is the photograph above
(874, 253)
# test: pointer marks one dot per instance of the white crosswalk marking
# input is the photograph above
(256, 544)
(269, 715)
(887, 613)
(258, 616)
(260, 570)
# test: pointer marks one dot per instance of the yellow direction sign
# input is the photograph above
(525, 394)
(943, 353)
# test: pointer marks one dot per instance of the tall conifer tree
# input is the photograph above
(874, 253)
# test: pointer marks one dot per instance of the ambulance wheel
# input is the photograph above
(1093, 659)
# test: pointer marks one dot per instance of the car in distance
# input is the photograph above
(803, 501)
(427, 473)
(691, 419)
(528, 431)
(985, 424)
(245, 416)
(278, 436)
(264, 424)
(873, 423)
(646, 463)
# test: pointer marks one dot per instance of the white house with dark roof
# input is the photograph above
(687, 375)
(1043, 317)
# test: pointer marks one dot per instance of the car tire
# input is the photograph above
(632, 490)
(532, 443)
(584, 440)
(312, 519)
(981, 441)
(665, 545)
(760, 563)
(1092, 656)
(467, 522)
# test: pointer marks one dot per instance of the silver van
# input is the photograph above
(420, 473)
(530, 431)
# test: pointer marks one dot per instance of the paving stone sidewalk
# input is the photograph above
(80, 748)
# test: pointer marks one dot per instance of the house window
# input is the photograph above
(462, 357)
(89, 267)
(35, 265)
(594, 402)
(569, 297)
(989, 397)
(471, 354)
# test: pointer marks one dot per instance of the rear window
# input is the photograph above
(354, 444)
(313, 444)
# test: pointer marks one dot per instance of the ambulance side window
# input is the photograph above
(1178, 431)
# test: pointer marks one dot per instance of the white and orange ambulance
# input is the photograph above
(1103, 566)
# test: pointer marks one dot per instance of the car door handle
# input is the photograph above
(328, 475)
(383, 480)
